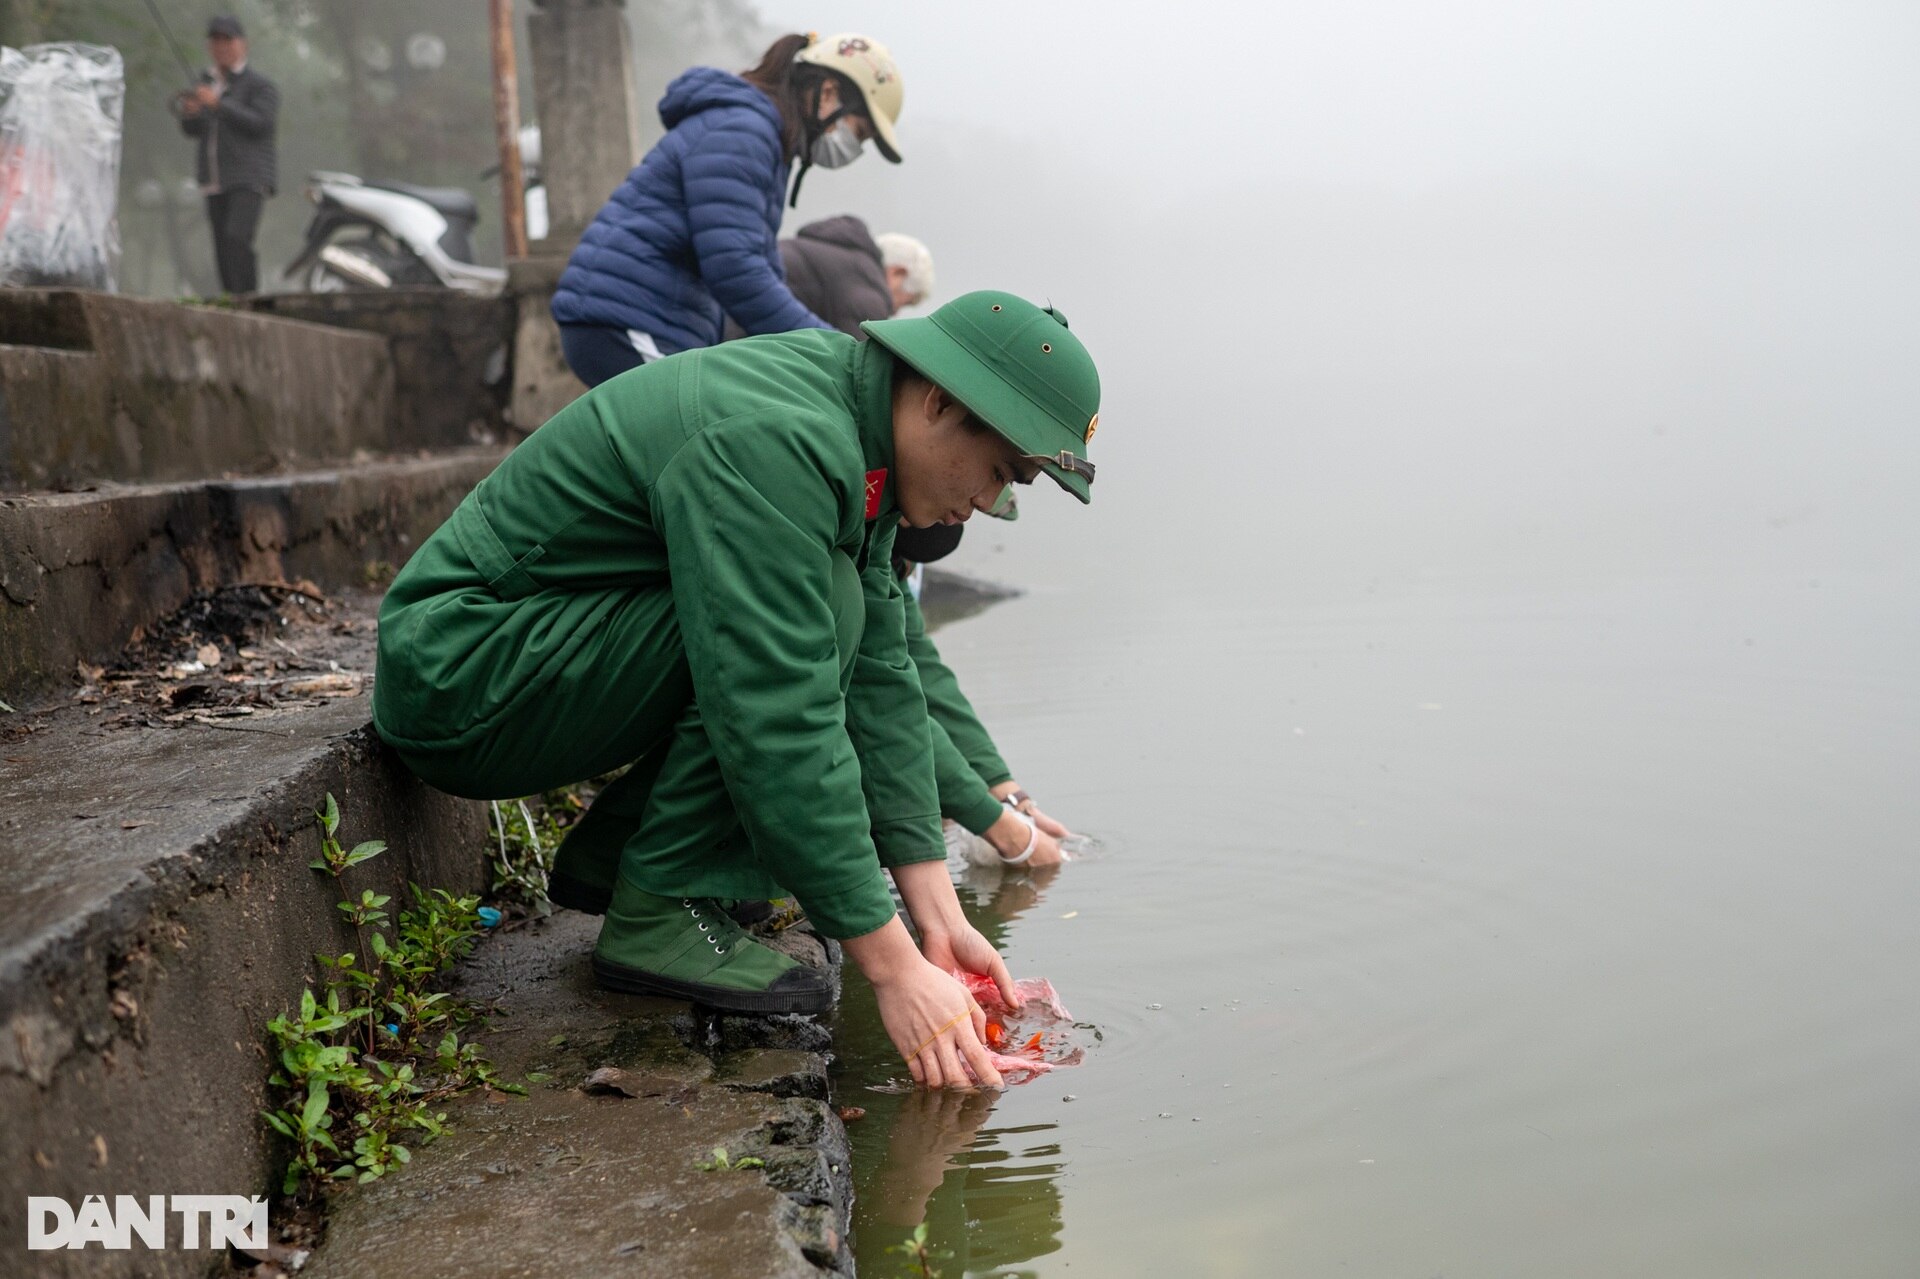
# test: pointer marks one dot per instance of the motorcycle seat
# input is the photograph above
(452, 202)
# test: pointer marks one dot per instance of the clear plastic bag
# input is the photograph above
(60, 112)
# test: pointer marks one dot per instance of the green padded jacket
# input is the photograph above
(965, 762)
(729, 476)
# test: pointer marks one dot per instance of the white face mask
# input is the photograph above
(837, 147)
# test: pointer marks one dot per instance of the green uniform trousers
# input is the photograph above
(625, 697)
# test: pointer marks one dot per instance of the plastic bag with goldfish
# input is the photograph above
(1027, 1042)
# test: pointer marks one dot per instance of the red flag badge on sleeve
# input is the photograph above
(876, 485)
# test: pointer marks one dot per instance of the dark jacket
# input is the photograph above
(688, 238)
(837, 272)
(236, 136)
(834, 267)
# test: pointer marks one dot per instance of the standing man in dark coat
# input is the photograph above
(233, 112)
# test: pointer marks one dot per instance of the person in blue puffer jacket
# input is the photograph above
(691, 237)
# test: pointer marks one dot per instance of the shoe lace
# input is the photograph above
(715, 923)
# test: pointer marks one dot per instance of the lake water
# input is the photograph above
(1466, 909)
(1491, 660)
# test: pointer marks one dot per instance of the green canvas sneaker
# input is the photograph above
(688, 948)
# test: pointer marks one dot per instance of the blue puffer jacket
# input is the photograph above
(691, 236)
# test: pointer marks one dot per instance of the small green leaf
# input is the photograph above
(361, 852)
(8, 709)
(330, 815)
(316, 1107)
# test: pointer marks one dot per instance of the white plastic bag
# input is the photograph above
(60, 134)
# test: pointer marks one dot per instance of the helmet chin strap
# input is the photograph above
(811, 131)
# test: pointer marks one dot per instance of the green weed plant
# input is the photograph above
(526, 834)
(370, 1055)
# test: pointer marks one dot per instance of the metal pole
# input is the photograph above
(506, 129)
(179, 55)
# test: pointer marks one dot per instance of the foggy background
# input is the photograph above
(1626, 283)
(1597, 287)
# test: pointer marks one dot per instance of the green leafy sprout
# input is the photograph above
(371, 1054)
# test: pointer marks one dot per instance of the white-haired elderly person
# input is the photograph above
(846, 276)
(909, 269)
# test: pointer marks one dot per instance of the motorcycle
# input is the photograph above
(395, 235)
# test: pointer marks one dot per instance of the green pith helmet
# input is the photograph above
(1017, 368)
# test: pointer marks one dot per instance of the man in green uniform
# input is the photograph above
(688, 571)
(977, 789)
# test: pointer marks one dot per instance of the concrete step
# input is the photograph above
(96, 387)
(573, 1180)
(82, 573)
(156, 909)
(453, 356)
(99, 387)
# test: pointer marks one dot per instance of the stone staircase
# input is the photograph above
(156, 907)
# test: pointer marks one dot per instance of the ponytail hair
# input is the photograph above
(786, 81)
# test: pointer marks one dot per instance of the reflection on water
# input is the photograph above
(990, 1194)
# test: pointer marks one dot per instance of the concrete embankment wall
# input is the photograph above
(82, 574)
(156, 904)
(95, 387)
(219, 446)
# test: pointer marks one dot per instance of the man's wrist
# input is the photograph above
(930, 898)
(1010, 834)
(1013, 796)
(884, 954)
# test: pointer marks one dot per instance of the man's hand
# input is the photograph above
(946, 938)
(1046, 824)
(933, 1022)
(966, 949)
(205, 97)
